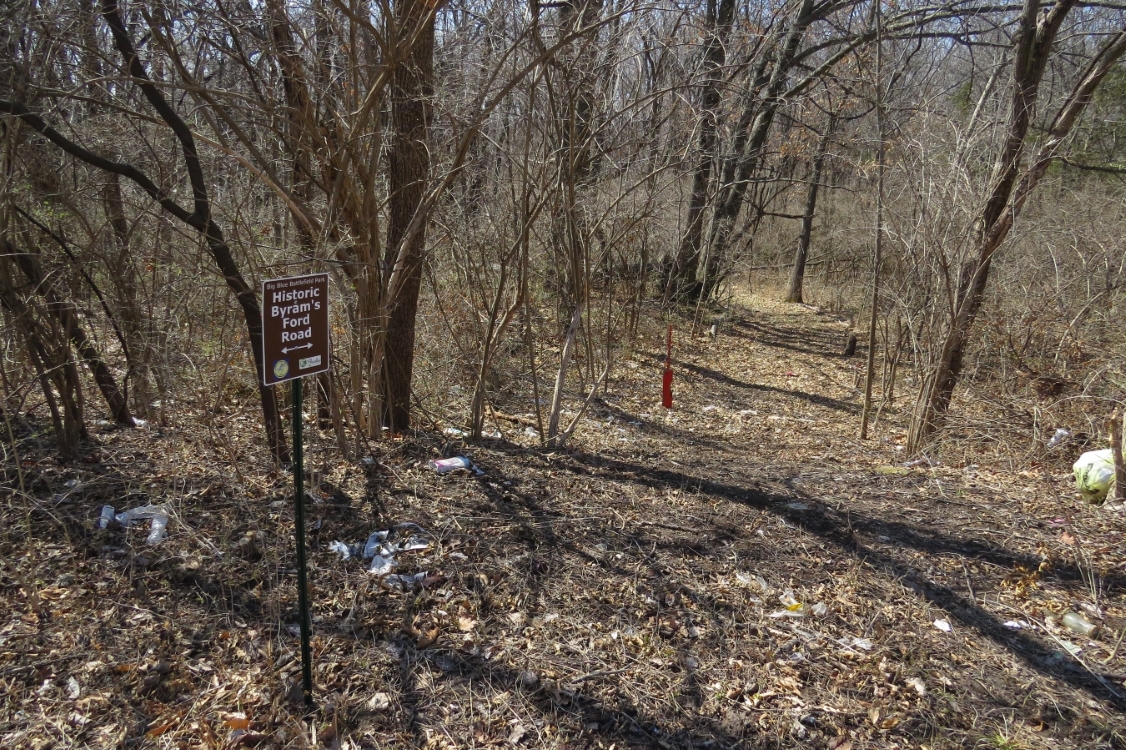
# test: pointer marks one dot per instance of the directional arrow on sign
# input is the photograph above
(289, 349)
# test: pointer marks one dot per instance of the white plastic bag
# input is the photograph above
(1094, 474)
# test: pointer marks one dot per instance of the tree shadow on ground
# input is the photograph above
(719, 377)
(840, 530)
(566, 699)
(819, 343)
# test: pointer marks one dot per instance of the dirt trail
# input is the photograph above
(632, 590)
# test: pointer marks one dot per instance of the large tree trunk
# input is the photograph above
(681, 273)
(411, 90)
(1007, 197)
(124, 279)
(801, 255)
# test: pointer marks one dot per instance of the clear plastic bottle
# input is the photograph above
(1078, 623)
(157, 529)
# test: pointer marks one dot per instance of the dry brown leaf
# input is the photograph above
(159, 729)
(426, 640)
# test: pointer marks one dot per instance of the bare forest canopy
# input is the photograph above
(503, 193)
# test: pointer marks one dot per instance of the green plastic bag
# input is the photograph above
(1094, 474)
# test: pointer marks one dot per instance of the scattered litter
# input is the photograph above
(73, 689)
(1071, 648)
(405, 583)
(943, 625)
(381, 566)
(493, 434)
(1060, 436)
(797, 506)
(457, 463)
(382, 546)
(1094, 473)
(751, 580)
(1095, 610)
(346, 551)
(158, 528)
(1016, 624)
(1058, 522)
(1079, 624)
(455, 432)
(862, 643)
(367, 461)
(531, 432)
(379, 702)
(918, 684)
(793, 607)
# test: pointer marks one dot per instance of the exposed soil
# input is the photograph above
(625, 592)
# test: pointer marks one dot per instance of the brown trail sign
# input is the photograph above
(294, 327)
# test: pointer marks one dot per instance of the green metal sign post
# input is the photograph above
(299, 530)
(295, 343)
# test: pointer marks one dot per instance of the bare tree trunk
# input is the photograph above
(682, 272)
(878, 250)
(66, 318)
(797, 275)
(411, 89)
(561, 377)
(1007, 197)
(125, 282)
(50, 354)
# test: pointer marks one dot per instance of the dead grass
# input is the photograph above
(626, 592)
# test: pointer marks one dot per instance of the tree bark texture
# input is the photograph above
(801, 255)
(412, 86)
(682, 272)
